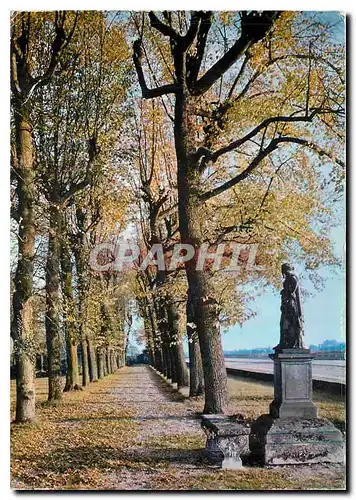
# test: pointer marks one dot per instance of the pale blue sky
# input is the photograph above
(323, 315)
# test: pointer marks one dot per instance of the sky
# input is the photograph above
(324, 311)
(323, 319)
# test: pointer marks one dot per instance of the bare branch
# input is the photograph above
(146, 92)
(275, 119)
(313, 147)
(273, 145)
(254, 27)
(238, 178)
(162, 28)
(241, 70)
(194, 62)
(195, 23)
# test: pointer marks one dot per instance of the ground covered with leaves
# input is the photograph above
(132, 431)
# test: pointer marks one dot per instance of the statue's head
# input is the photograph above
(287, 268)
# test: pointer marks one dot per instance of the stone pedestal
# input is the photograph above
(292, 433)
(290, 441)
(293, 384)
(227, 440)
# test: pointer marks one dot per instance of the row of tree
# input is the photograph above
(237, 138)
(70, 74)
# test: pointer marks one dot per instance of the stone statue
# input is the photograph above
(291, 323)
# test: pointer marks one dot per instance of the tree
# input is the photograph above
(203, 128)
(157, 202)
(78, 117)
(29, 40)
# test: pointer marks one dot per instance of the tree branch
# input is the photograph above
(235, 180)
(79, 186)
(275, 119)
(60, 42)
(162, 28)
(314, 147)
(194, 62)
(254, 27)
(273, 145)
(146, 92)
(241, 70)
(195, 23)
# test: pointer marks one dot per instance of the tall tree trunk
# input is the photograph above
(114, 364)
(105, 362)
(107, 359)
(93, 367)
(156, 338)
(205, 310)
(72, 376)
(181, 372)
(100, 357)
(149, 335)
(196, 375)
(167, 361)
(78, 250)
(22, 328)
(53, 339)
(85, 361)
(158, 359)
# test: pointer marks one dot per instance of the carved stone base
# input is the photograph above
(293, 384)
(227, 440)
(296, 441)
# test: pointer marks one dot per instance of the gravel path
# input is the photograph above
(166, 448)
(159, 408)
(162, 414)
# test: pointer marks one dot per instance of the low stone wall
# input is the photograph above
(320, 385)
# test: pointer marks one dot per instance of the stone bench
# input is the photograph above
(227, 440)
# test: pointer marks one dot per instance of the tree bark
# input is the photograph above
(22, 327)
(167, 361)
(205, 310)
(100, 357)
(93, 367)
(78, 250)
(181, 371)
(72, 376)
(85, 362)
(53, 339)
(196, 375)
(107, 360)
(156, 338)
